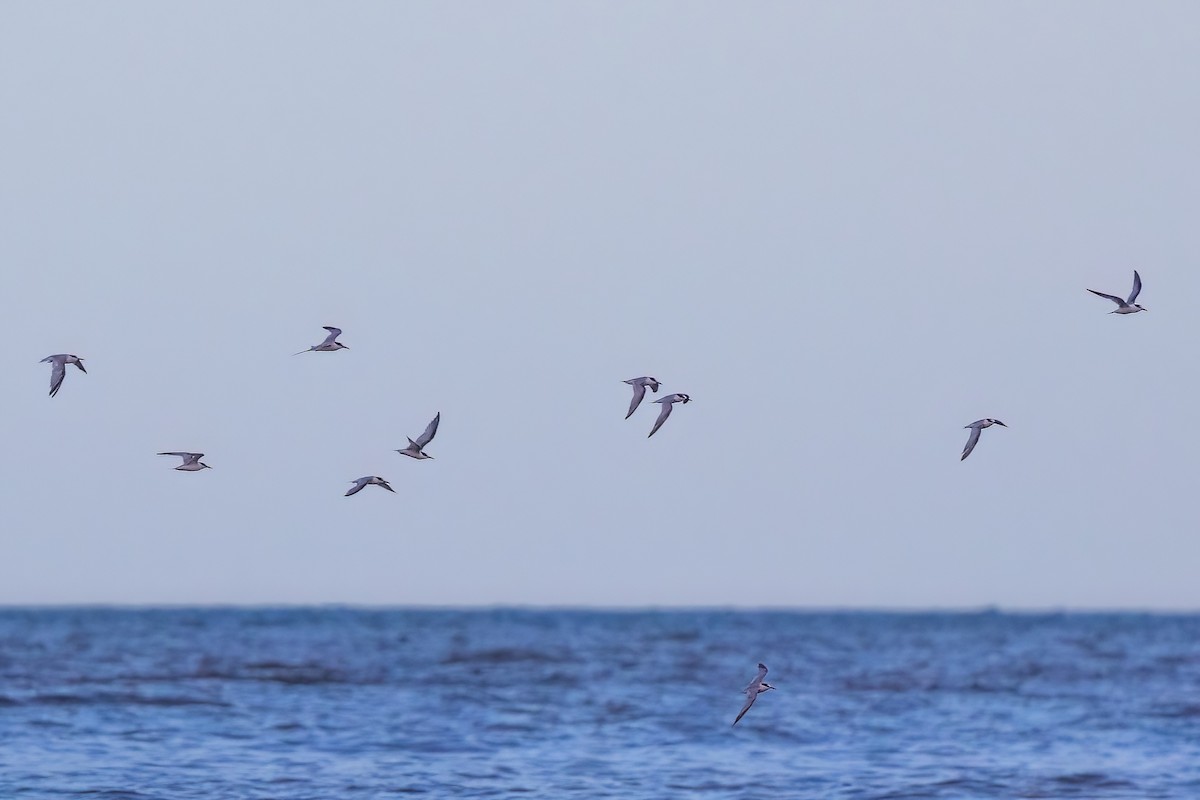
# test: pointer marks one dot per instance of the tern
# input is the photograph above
(753, 690)
(329, 345)
(639, 391)
(976, 427)
(367, 480)
(1125, 306)
(59, 371)
(416, 448)
(667, 403)
(191, 461)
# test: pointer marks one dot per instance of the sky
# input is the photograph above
(845, 229)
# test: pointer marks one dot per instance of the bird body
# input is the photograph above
(59, 370)
(368, 480)
(977, 426)
(416, 448)
(1125, 306)
(639, 391)
(191, 461)
(753, 690)
(667, 402)
(329, 345)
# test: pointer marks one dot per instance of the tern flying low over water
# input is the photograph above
(639, 391)
(416, 448)
(667, 402)
(753, 690)
(1125, 306)
(976, 427)
(329, 345)
(59, 371)
(367, 480)
(191, 461)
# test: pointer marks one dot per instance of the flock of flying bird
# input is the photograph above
(416, 447)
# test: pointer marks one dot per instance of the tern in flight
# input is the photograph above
(1125, 306)
(416, 448)
(191, 461)
(976, 427)
(753, 690)
(639, 391)
(667, 403)
(59, 371)
(329, 345)
(367, 480)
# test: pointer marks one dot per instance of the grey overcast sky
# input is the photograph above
(846, 229)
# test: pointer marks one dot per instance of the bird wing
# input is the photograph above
(1115, 299)
(758, 679)
(386, 485)
(662, 417)
(56, 375)
(1137, 287)
(333, 334)
(751, 696)
(187, 457)
(639, 391)
(431, 429)
(357, 487)
(972, 440)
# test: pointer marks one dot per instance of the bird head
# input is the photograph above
(766, 686)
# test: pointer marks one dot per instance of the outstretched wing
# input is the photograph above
(1137, 286)
(662, 417)
(188, 458)
(751, 696)
(357, 487)
(1115, 299)
(56, 375)
(333, 334)
(972, 440)
(386, 485)
(431, 429)
(639, 391)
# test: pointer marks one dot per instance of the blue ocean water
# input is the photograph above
(349, 703)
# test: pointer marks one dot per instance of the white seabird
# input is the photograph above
(753, 690)
(639, 391)
(1125, 306)
(976, 427)
(59, 371)
(329, 345)
(667, 403)
(191, 461)
(367, 480)
(416, 448)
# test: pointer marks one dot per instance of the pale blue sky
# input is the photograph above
(846, 229)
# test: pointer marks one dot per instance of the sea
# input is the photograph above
(329, 703)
